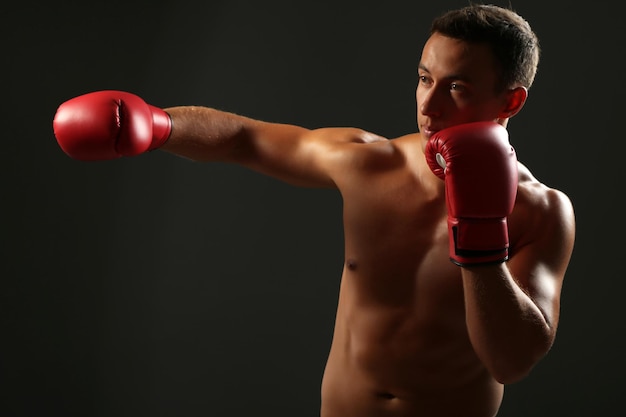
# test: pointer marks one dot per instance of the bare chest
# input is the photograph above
(396, 243)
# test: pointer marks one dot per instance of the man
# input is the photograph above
(455, 254)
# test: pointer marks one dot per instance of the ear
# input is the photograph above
(515, 100)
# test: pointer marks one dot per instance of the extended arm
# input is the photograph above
(111, 124)
(288, 152)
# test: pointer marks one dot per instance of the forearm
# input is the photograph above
(507, 329)
(275, 149)
(206, 134)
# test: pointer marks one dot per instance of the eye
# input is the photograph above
(457, 87)
(423, 79)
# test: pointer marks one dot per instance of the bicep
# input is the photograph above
(299, 156)
(539, 266)
(282, 151)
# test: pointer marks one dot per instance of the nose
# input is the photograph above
(427, 102)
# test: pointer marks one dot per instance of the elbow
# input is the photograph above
(510, 374)
(519, 365)
(514, 370)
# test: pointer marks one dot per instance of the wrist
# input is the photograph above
(478, 241)
(161, 127)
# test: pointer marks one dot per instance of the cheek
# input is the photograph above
(479, 110)
(420, 96)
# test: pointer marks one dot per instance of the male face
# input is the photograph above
(457, 84)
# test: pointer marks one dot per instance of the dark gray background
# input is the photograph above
(155, 286)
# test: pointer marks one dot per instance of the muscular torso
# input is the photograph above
(400, 345)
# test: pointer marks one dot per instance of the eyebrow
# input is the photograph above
(448, 77)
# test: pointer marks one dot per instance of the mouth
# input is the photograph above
(428, 131)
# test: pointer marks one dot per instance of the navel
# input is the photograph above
(385, 395)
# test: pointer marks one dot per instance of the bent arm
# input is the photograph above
(512, 308)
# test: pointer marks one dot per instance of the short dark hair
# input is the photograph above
(513, 42)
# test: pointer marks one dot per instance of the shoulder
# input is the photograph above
(539, 197)
(355, 148)
(543, 216)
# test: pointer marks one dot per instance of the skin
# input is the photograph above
(415, 334)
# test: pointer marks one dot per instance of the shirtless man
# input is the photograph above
(452, 277)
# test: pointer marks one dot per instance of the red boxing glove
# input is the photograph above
(479, 168)
(109, 124)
